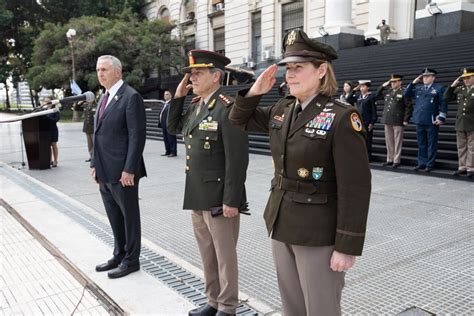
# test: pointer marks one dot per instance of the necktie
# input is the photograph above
(200, 107)
(163, 110)
(103, 104)
(426, 88)
(297, 111)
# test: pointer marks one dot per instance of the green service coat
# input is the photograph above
(321, 189)
(216, 153)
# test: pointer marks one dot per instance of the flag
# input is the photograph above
(75, 89)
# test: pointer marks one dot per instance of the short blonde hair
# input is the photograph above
(328, 82)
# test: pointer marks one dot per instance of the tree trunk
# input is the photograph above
(7, 104)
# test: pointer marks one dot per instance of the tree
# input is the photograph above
(139, 44)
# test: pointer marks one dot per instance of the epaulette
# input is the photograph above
(228, 101)
(341, 103)
(195, 99)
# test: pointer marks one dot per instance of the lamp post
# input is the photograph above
(70, 34)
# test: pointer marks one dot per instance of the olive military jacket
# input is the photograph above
(396, 108)
(321, 187)
(465, 114)
(216, 153)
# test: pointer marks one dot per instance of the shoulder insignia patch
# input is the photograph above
(356, 122)
(195, 99)
(211, 104)
(226, 100)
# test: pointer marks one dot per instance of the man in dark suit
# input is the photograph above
(168, 139)
(117, 163)
(216, 166)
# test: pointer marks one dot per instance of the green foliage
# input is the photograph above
(144, 47)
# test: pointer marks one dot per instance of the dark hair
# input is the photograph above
(349, 83)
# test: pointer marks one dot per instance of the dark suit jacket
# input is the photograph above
(367, 108)
(119, 137)
(321, 190)
(216, 156)
(164, 115)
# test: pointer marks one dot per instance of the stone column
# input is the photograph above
(338, 24)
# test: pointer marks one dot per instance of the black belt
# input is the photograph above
(286, 184)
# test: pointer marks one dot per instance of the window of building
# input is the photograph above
(257, 37)
(165, 14)
(190, 43)
(421, 4)
(217, 5)
(219, 40)
(292, 15)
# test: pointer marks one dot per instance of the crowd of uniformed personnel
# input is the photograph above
(426, 106)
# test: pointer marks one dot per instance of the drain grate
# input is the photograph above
(178, 279)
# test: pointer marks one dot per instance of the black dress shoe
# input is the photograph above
(206, 310)
(87, 160)
(470, 174)
(165, 154)
(428, 169)
(123, 270)
(109, 265)
(418, 168)
(395, 165)
(172, 155)
(221, 313)
(459, 172)
(388, 163)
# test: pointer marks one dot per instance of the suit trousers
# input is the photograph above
(123, 212)
(368, 141)
(307, 284)
(170, 142)
(217, 241)
(90, 143)
(465, 142)
(393, 141)
(427, 139)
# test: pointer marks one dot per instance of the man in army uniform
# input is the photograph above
(396, 113)
(216, 165)
(429, 113)
(88, 127)
(384, 32)
(464, 120)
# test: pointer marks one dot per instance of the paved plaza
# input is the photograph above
(419, 249)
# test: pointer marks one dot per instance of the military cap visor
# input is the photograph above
(395, 78)
(298, 47)
(365, 82)
(206, 59)
(429, 72)
(467, 72)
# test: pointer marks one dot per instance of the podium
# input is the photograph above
(37, 138)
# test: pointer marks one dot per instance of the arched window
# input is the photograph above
(164, 14)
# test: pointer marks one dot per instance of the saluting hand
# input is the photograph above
(183, 87)
(386, 83)
(417, 79)
(340, 262)
(229, 211)
(456, 82)
(264, 82)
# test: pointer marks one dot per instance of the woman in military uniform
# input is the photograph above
(317, 210)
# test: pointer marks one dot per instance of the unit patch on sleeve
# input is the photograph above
(356, 122)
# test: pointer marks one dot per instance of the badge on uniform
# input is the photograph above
(279, 118)
(356, 122)
(207, 125)
(211, 104)
(207, 145)
(317, 173)
(322, 121)
(303, 172)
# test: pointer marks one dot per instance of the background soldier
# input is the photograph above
(88, 126)
(464, 120)
(365, 104)
(396, 113)
(429, 113)
(384, 32)
(216, 165)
